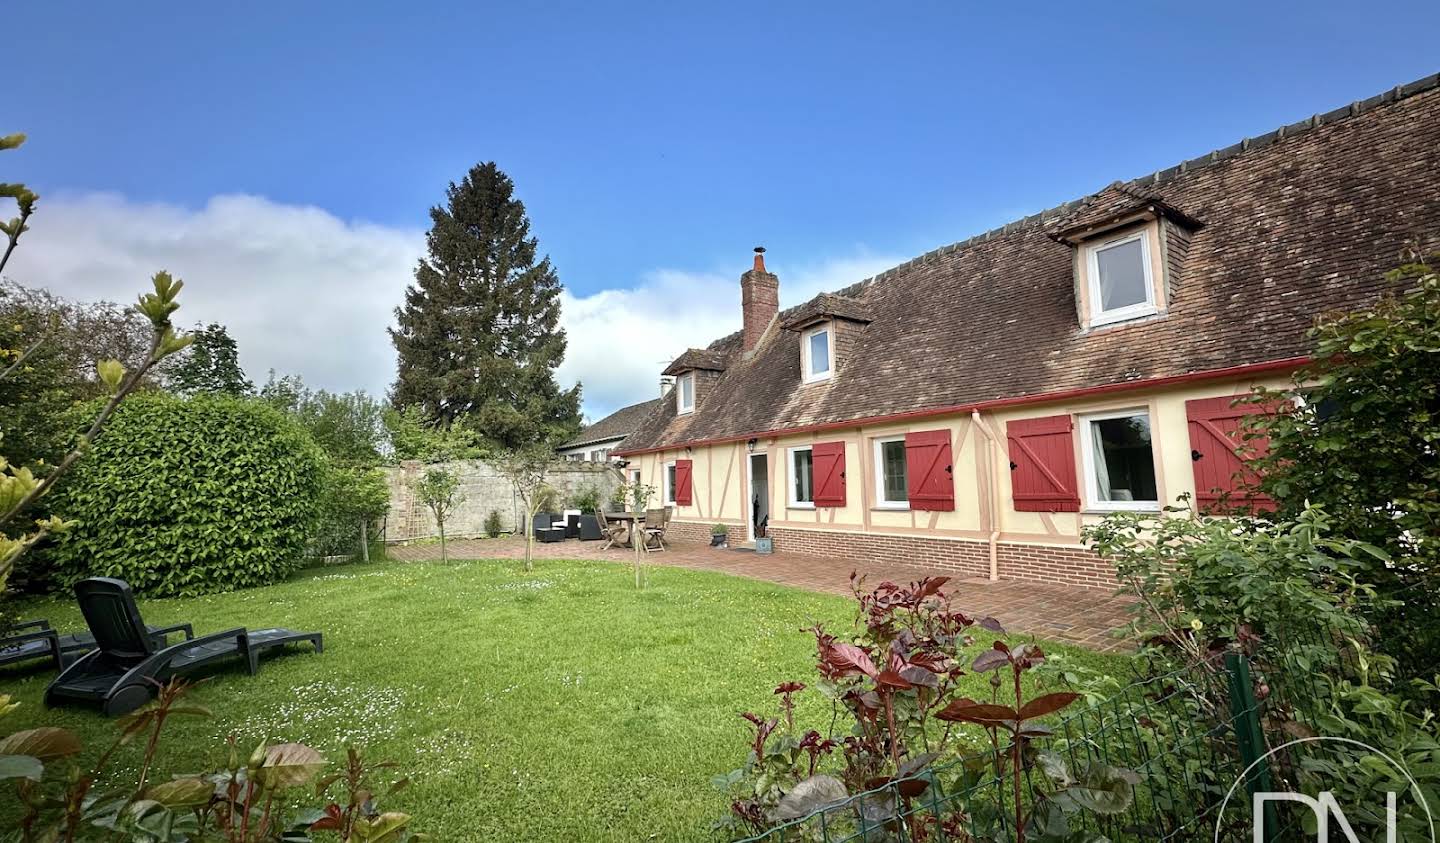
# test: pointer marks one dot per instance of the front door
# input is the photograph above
(759, 503)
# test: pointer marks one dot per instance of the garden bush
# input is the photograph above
(351, 497)
(190, 496)
(493, 525)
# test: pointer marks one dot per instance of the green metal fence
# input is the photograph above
(1197, 737)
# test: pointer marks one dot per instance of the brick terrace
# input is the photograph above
(1083, 616)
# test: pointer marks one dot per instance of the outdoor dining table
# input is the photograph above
(626, 518)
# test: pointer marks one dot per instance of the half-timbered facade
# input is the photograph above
(974, 408)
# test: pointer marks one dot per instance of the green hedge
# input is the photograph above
(189, 496)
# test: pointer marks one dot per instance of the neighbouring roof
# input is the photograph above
(827, 306)
(696, 358)
(617, 425)
(1295, 222)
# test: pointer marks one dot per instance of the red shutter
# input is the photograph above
(1222, 479)
(1042, 464)
(682, 482)
(929, 472)
(827, 462)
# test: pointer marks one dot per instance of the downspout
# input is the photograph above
(992, 484)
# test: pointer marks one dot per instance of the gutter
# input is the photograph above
(1287, 364)
(992, 488)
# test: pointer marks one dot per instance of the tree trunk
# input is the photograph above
(443, 557)
(364, 541)
(529, 537)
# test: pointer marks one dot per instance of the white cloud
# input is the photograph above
(301, 290)
(620, 339)
(305, 292)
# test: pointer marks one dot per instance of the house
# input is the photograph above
(974, 408)
(595, 442)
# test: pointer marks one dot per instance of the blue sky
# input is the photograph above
(653, 144)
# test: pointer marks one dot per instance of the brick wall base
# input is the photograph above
(1035, 562)
(694, 531)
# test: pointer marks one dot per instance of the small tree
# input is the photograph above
(439, 490)
(639, 495)
(526, 469)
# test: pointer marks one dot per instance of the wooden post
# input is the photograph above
(364, 541)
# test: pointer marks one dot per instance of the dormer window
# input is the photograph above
(1121, 285)
(685, 393)
(817, 353)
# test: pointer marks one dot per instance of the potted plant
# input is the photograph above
(763, 543)
(718, 535)
(617, 499)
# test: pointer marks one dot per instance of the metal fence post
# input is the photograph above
(1245, 716)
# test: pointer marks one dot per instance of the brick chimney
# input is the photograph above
(759, 300)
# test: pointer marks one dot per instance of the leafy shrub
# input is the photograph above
(896, 696)
(493, 525)
(189, 496)
(1361, 441)
(586, 499)
(1292, 599)
(350, 496)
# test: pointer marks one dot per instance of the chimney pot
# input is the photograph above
(759, 259)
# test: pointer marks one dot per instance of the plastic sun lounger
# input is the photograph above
(128, 664)
(42, 641)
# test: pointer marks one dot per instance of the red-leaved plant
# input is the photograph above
(896, 683)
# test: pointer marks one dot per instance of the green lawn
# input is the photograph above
(560, 704)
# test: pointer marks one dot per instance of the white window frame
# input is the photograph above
(1092, 273)
(1087, 463)
(880, 502)
(681, 408)
(667, 493)
(807, 366)
(790, 476)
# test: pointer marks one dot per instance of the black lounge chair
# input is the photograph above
(42, 641)
(126, 666)
(22, 642)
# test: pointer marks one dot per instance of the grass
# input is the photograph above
(559, 704)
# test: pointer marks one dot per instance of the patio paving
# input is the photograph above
(1083, 616)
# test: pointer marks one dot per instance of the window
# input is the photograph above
(575, 457)
(669, 483)
(1120, 286)
(601, 455)
(685, 393)
(1119, 461)
(802, 478)
(892, 479)
(815, 351)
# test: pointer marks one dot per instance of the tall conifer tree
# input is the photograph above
(211, 365)
(478, 337)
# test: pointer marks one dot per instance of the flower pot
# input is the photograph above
(717, 541)
(765, 545)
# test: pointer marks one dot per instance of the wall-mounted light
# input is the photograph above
(750, 445)
(622, 463)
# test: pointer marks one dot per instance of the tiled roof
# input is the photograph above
(1296, 222)
(616, 425)
(828, 306)
(1113, 204)
(696, 358)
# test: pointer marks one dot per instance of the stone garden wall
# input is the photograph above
(485, 489)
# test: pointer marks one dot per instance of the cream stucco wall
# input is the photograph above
(983, 507)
